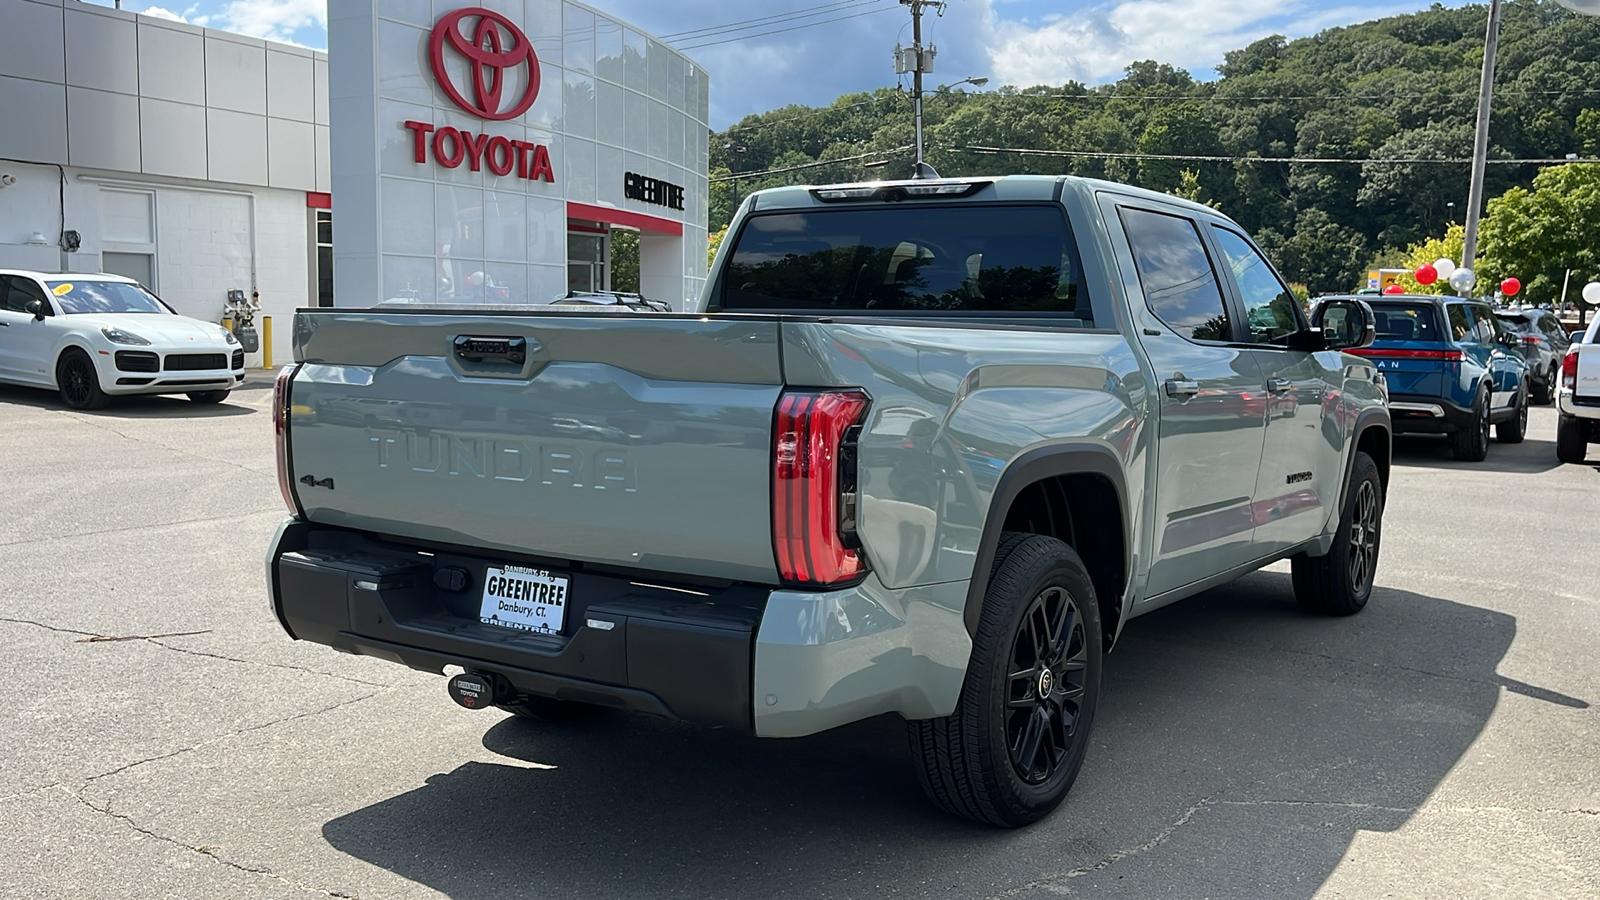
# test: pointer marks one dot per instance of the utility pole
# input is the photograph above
(921, 63)
(1480, 146)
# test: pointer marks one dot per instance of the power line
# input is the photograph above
(790, 28)
(742, 24)
(1311, 160)
(812, 165)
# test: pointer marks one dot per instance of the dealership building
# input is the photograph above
(481, 154)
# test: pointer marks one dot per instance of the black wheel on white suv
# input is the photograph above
(78, 381)
(1339, 583)
(1012, 748)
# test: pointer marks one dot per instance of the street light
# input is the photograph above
(979, 81)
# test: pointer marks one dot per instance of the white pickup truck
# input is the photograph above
(1578, 397)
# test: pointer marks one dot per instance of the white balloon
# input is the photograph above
(1463, 280)
(1586, 7)
(1444, 267)
(1591, 292)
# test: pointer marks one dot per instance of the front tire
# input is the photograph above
(1514, 429)
(1012, 748)
(78, 381)
(1471, 443)
(1339, 583)
(208, 397)
(1572, 444)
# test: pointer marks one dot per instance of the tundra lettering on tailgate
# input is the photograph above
(554, 464)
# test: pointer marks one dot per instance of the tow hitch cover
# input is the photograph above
(472, 691)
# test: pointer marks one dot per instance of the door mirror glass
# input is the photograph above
(36, 309)
(1345, 324)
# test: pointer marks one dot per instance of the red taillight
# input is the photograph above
(1388, 353)
(813, 487)
(280, 429)
(1530, 339)
(1569, 371)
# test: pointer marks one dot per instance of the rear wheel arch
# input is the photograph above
(1077, 494)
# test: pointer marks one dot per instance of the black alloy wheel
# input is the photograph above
(1050, 662)
(1471, 442)
(1364, 525)
(78, 382)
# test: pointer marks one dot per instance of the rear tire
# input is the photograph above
(78, 381)
(549, 709)
(1514, 429)
(1012, 748)
(208, 397)
(1471, 443)
(1340, 582)
(1545, 394)
(1572, 443)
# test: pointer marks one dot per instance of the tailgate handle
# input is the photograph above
(492, 349)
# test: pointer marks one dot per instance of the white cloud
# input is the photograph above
(275, 20)
(1095, 44)
(157, 12)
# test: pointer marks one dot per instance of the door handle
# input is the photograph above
(1177, 387)
(1279, 385)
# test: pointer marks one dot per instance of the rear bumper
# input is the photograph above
(1422, 414)
(776, 662)
(1580, 408)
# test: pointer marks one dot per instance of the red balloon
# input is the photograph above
(1394, 289)
(1427, 274)
(1510, 286)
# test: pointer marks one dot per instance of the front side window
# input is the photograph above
(1270, 309)
(23, 291)
(1180, 286)
(909, 260)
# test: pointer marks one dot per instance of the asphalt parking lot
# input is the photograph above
(161, 737)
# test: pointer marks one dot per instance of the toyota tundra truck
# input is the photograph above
(1578, 397)
(919, 447)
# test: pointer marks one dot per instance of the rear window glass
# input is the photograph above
(1517, 323)
(909, 259)
(1405, 322)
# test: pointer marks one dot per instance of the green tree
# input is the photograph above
(625, 261)
(1537, 235)
(1426, 253)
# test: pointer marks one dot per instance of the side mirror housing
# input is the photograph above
(1345, 324)
(36, 308)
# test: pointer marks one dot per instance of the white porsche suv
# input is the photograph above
(94, 337)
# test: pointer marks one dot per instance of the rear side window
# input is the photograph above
(909, 259)
(1405, 322)
(1460, 322)
(1517, 324)
(1179, 283)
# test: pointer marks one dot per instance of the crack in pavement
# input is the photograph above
(270, 665)
(1112, 858)
(231, 734)
(98, 423)
(209, 851)
(229, 517)
(49, 627)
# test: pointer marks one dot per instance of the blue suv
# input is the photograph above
(1452, 368)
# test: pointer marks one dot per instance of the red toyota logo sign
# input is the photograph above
(496, 48)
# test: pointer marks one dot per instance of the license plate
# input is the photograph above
(524, 599)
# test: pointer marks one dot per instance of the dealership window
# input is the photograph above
(588, 266)
(323, 259)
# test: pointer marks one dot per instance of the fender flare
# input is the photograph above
(1051, 461)
(1371, 417)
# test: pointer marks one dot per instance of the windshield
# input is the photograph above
(78, 297)
(909, 259)
(1405, 322)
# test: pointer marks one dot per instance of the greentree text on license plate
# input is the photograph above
(524, 599)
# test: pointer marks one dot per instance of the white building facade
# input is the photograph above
(194, 160)
(486, 154)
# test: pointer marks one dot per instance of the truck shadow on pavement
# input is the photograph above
(1240, 746)
(1530, 457)
(147, 406)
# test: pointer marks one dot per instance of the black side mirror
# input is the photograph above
(1346, 324)
(36, 307)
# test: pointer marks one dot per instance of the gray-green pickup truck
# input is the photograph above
(919, 447)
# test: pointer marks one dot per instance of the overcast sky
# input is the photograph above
(1021, 42)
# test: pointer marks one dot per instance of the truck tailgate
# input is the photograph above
(1588, 384)
(641, 441)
